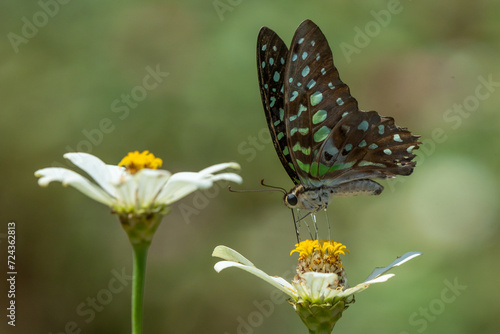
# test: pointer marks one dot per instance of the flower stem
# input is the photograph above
(139, 273)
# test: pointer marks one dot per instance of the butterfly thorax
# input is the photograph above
(318, 198)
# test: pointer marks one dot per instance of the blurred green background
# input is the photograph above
(66, 69)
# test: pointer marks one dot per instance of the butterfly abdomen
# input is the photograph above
(355, 188)
(317, 198)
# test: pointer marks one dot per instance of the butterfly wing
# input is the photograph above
(271, 63)
(331, 141)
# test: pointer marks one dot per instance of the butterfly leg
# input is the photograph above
(316, 232)
(328, 224)
(295, 223)
(298, 221)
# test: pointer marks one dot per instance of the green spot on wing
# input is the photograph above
(272, 102)
(303, 166)
(304, 150)
(368, 163)
(316, 98)
(276, 76)
(321, 134)
(305, 71)
(319, 116)
(314, 169)
(363, 126)
(323, 169)
(341, 166)
(381, 129)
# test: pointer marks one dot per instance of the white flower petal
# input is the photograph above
(219, 167)
(285, 283)
(150, 182)
(316, 287)
(126, 192)
(180, 185)
(226, 177)
(364, 285)
(221, 265)
(399, 261)
(68, 177)
(116, 173)
(380, 279)
(230, 254)
(95, 168)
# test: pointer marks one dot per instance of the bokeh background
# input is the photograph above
(66, 69)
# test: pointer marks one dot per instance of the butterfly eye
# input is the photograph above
(291, 199)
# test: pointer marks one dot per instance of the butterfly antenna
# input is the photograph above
(258, 190)
(273, 187)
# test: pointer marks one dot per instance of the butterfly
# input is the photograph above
(325, 143)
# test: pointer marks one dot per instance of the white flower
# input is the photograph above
(313, 287)
(139, 187)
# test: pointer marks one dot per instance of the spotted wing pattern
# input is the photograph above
(321, 136)
(271, 59)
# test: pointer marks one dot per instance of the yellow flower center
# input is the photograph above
(320, 255)
(325, 248)
(135, 161)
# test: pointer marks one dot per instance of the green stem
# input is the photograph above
(139, 273)
(140, 229)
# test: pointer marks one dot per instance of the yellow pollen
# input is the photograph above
(329, 250)
(135, 161)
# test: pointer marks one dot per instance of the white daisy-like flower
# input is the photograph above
(314, 287)
(319, 292)
(135, 185)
